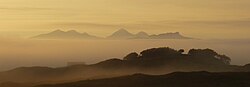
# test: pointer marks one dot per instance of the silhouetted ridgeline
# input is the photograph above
(151, 61)
(59, 34)
(178, 79)
(120, 34)
(167, 58)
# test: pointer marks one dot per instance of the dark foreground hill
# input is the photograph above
(151, 61)
(178, 79)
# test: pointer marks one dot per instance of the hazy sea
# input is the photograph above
(56, 53)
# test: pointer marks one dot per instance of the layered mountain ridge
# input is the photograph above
(120, 34)
(71, 34)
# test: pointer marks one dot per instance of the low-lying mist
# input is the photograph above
(56, 53)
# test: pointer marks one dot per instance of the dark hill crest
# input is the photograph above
(178, 79)
(151, 61)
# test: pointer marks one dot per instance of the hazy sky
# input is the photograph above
(196, 18)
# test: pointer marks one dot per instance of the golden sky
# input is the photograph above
(197, 18)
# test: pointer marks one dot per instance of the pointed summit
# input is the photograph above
(121, 34)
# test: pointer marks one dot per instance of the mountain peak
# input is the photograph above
(122, 33)
(142, 34)
(72, 32)
(57, 31)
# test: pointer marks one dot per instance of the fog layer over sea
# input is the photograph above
(56, 53)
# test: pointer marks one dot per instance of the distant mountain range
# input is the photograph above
(59, 34)
(124, 34)
(120, 34)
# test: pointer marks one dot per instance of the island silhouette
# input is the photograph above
(71, 34)
(120, 34)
